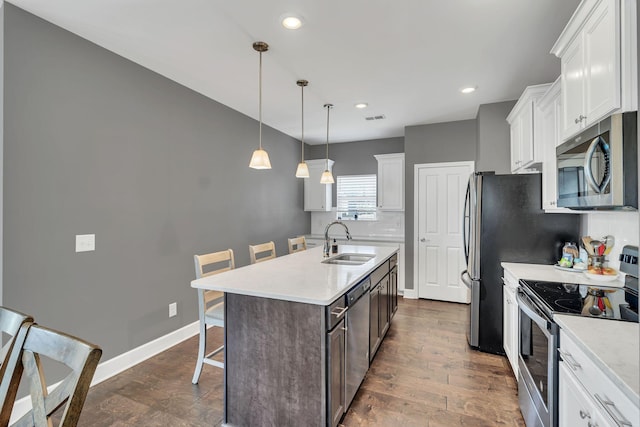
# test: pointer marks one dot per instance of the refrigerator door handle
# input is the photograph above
(466, 279)
(466, 223)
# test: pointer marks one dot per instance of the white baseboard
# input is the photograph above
(120, 363)
(410, 294)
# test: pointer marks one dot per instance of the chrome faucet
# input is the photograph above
(326, 235)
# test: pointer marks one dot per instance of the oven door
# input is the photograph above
(538, 365)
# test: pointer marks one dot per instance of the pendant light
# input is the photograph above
(260, 158)
(327, 177)
(303, 169)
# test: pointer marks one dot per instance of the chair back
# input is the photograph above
(10, 322)
(32, 342)
(297, 244)
(256, 252)
(208, 265)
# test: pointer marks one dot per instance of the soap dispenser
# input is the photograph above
(334, 247)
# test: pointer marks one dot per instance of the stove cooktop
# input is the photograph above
(584, 300)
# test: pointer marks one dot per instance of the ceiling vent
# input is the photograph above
(380, 117)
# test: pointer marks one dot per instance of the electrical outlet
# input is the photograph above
(85, 242)
(173, 309)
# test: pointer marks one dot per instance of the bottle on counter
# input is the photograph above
(334, 247)
(569, 254)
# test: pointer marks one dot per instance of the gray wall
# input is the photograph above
(440, 142)
(494, 147)
(355, 158)
(97, 144)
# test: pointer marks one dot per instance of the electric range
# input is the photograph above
(583, 300)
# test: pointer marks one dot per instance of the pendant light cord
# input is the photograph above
(302, 138)
(327, 162)
(260, 101)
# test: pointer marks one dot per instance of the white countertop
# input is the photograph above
(548, 273)
(369, 238)
(298, 277)
(618, 358)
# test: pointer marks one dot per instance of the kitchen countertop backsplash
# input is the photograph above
(388, 224)
(623, 226)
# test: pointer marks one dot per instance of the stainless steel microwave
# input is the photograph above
(598, 169)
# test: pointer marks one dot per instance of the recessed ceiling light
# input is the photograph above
(361, 105)
(291, 22)
(468, 89)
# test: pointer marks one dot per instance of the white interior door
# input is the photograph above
(439, 193)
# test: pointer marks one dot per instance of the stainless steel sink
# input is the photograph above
(349, 259)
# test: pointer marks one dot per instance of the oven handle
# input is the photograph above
(531, 312)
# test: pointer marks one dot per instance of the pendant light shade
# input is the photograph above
(303, 169)
(260, 158)
(327, 177)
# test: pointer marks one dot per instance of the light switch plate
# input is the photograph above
(85, 242)
(173, 309)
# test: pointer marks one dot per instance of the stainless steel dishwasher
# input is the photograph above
(357, 354)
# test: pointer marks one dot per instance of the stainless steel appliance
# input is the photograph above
(504, 221)
(598, 169)
(538, 355)
(357, 355)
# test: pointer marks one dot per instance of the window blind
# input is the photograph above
(356, 197)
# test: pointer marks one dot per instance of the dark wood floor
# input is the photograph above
(423, 375)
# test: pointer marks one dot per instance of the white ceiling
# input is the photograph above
(406, 58)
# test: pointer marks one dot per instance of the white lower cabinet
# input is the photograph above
(587, 397)
(510, 320)
(577, 409)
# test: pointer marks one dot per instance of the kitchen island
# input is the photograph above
(285, 333)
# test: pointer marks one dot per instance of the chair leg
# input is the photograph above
(201, 350)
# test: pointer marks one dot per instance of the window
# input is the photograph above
(356, 197)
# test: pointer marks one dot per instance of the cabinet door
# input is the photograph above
(527, 153)
(384, 307)
(374, 321)
(336, 373)
(574, 404)
(393, 279)
(317, 197)
(572, 88)
(516, 141)
(602, 62)
(507, 321)
(391, 182)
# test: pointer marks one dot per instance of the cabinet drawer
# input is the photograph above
(610, 398)
(335, 312)
(510, 280)
(393, 261)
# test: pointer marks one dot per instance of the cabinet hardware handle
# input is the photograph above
(613, 412)
(568, 357)
(344, 329)
(341, 311)
(590, 424)
(582, 117)
(423, 240)
(577, 121)
(584, 414)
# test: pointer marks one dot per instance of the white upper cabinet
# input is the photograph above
(390, 181)
(525, 149)
(317, 197)
(548, 123)
(597, 52)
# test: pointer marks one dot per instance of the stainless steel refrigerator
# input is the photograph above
(504, 222)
